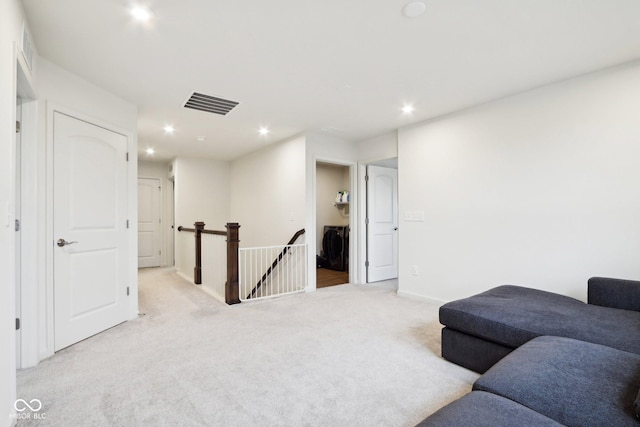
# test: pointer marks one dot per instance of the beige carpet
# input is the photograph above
(342, 356)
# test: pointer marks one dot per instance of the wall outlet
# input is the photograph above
(415, 270)
(418, 216)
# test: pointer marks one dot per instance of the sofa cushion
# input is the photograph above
(471, 352)
(482, 409)
(512, 315)
(573, 382)
(616, 293)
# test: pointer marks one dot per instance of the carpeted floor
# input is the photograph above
(341, 356)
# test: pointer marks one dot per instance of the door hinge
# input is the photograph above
(18, 126)
(366, 263)
(17, 323)
(159, 220)
(127, 291)
(366, 221)
(17, 225)
(159, 252)
(127, 223)
(127, 157)
(366, 178)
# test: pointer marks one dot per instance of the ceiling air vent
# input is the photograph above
(210, 104)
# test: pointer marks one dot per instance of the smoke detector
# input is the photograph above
(414, 9)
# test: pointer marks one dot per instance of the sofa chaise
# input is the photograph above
(482, 329)
(546, 359)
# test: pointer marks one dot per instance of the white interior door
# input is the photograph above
(149, 233)
(382, 227)
(18, 216)
(90, 229)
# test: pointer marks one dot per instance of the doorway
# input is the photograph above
(149, 222)
(333, 205)
(26, 217)
(90, 229)
(381, 221)
(18, 238)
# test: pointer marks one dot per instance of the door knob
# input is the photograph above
(62, 242)
(395, 228)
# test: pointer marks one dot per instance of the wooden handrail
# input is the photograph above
(216, 232)
(233, 242)
(193, 230)
(275, 263)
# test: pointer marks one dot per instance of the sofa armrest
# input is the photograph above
(614, 293)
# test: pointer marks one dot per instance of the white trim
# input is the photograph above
(185, 277)
(167, 202)
(417, 297)
(10, 363)
(354, 233)
(30, 234)
(30, 254)
(163, 249)
(47, 348)
(362, 204)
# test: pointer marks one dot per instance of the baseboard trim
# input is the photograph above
(411, 295)
(185, 277)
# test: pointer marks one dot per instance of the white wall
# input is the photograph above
(541, 189)
(329, 180)
(11, 17)
(268, 193)
(378, 148)
(58, 88)
(201, 194)
(160, 170)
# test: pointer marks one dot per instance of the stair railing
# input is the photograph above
(275, 263)
(233, 242)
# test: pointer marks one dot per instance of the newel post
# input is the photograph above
(232, 292)
(197, 270)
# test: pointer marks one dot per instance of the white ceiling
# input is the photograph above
(341, 67)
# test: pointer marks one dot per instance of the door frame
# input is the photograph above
(310, 229)
(167, 215)
(362, 209)
(17, 196)
(47, 335)
(161, 212)
(30, 250)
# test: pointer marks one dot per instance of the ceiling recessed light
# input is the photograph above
(200, 138)
(264, 131)
(169, 129)
(150, 151)
(414, 9)
(407, 109)
(141, 13)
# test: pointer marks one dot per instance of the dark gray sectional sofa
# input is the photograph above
(547, 359)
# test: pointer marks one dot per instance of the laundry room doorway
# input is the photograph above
(333, 209)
